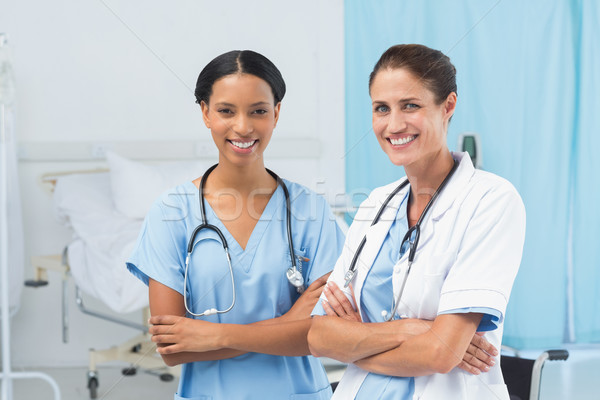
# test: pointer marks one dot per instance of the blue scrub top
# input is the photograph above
(377, 296)
(261, 286)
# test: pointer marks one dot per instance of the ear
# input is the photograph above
(204, 108)
(450, 105)
(276, 110)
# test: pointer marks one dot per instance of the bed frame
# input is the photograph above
(138, 351)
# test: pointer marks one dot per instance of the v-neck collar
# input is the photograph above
(244, 257)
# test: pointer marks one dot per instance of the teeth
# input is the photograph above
(243, 145)
(405, 140)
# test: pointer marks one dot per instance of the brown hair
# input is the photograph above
(431, 66)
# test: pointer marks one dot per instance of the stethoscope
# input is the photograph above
(293, 274)
(414, 230)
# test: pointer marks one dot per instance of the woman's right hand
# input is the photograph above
(479, 356)
(338, 305)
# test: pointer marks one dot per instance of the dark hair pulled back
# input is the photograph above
(431, 66)
(239, 62)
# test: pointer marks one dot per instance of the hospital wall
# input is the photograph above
(93, 74)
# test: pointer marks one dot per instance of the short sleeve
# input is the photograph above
(156, 254)
(489, 320)
(489, 256)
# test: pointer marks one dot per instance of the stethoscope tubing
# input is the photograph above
(298, 280)
(352, 270)
(412, 243)
(210, 311)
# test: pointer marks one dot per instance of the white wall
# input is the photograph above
(110, 71)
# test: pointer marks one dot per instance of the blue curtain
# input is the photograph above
(585, 173)
(527, 83)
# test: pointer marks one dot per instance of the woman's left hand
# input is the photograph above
(302, 308)
(174, 334)
(479, 356)
(337, 303)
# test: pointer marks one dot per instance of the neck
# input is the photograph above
(244, 179)
(426, 176)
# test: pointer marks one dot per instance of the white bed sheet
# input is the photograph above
(102, 240)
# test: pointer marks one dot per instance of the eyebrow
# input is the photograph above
(399, 101)
(224, 104)
(409, 99)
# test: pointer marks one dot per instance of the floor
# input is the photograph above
(575, 378)
(113, 385)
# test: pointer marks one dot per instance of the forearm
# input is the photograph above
(276, 337)
(348, 341)
(192, 356)
(411, 358)
(212, 355)
(437, 350)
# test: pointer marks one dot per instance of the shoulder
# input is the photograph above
(484, 183)
(492, 197)
(305, 200)
(175, 203)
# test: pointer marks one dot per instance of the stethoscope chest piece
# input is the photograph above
(295, 278)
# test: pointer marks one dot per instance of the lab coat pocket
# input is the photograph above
(434, 275)
(323, 394)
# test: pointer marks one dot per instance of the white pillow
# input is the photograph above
(135, 186)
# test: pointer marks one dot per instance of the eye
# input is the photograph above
(411, 106)
(260, 112)
(224, 111)
(382, 109)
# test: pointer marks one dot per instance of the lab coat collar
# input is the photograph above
(455, 186)
(375, 234)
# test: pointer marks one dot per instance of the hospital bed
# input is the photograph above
(95, 260)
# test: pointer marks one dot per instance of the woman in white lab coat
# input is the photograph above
(465, 242)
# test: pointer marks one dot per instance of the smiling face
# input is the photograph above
(409, 125)
(241, 116)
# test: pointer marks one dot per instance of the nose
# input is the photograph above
(397, 122)
(242, 125)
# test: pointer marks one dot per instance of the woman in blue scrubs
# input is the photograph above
(258, 349)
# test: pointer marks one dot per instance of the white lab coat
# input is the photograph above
(468, 256)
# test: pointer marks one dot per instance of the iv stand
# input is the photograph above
(7, 376)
